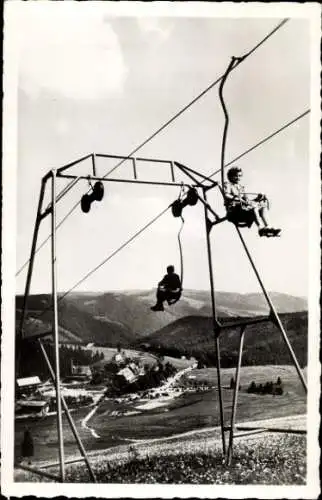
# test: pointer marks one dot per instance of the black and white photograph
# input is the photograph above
(161, 249)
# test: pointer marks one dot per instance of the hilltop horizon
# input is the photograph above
(153, 289)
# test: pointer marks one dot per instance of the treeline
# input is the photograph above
(267, 388)
(33, 362)
(275, 388)
(262, 354)
(163, 350)
(72, 401)
(263, 345)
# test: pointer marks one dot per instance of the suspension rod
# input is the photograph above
(215, 327)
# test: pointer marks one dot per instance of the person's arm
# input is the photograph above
(243, 196)
(231, 194)
(178, 282)
(163, 281)
(228, 192)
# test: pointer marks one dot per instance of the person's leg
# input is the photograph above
(261, 220)
(260, 223)
(161, 296)
(269, 230)
(263, 214)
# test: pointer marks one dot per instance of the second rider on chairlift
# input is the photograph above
(168, 288)
(235, 195)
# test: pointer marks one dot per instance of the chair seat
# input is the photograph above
(173, 296)
(240, 217)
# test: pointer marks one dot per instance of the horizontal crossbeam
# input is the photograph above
(249, 433)
(244, 322)
(130, 181)
(67, 462)
(133, 158)
(273, 429)
(39, 472)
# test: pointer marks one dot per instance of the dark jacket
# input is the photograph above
(171, 281)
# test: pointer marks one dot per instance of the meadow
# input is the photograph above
(278, 460)
(270, 459)
(188, 412)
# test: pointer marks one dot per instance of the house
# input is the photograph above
(33, 407)
(81, 370)
(27, 385)
(127, 374)
(79, 373)
(119, 358)
(135, 368)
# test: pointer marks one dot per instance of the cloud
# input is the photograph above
(72, 52)
(155, 26)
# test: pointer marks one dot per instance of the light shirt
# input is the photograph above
(232, 191)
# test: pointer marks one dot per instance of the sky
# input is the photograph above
(94, 81)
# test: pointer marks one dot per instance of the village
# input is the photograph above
(122, 378)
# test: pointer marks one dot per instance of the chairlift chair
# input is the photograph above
(240, 216)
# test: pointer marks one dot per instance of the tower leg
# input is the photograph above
(274, 314)
(221, 406)
(235, 397)
(55, 329)
(29, 274)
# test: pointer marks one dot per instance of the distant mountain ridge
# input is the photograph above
(264, 344)
(125, 316)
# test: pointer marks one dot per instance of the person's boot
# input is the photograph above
(271, 231)
(262, 231)
(157, 307)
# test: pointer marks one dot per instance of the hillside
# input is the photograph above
(121, 317)
(263, 343)
(76, 325)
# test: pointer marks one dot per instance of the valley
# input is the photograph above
(124, 420)
(95, 328)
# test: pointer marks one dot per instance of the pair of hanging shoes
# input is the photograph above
(157, 307)
(269, 231)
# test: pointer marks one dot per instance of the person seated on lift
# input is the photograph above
(236, 197)
(169, 289)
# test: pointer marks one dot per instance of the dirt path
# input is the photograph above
(86, 419)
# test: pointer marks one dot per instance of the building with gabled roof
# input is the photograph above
(28, 385)
(127, 374)
(28, 381)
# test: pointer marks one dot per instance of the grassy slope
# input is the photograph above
(199, 410)
(268, 460)
(264, 459)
